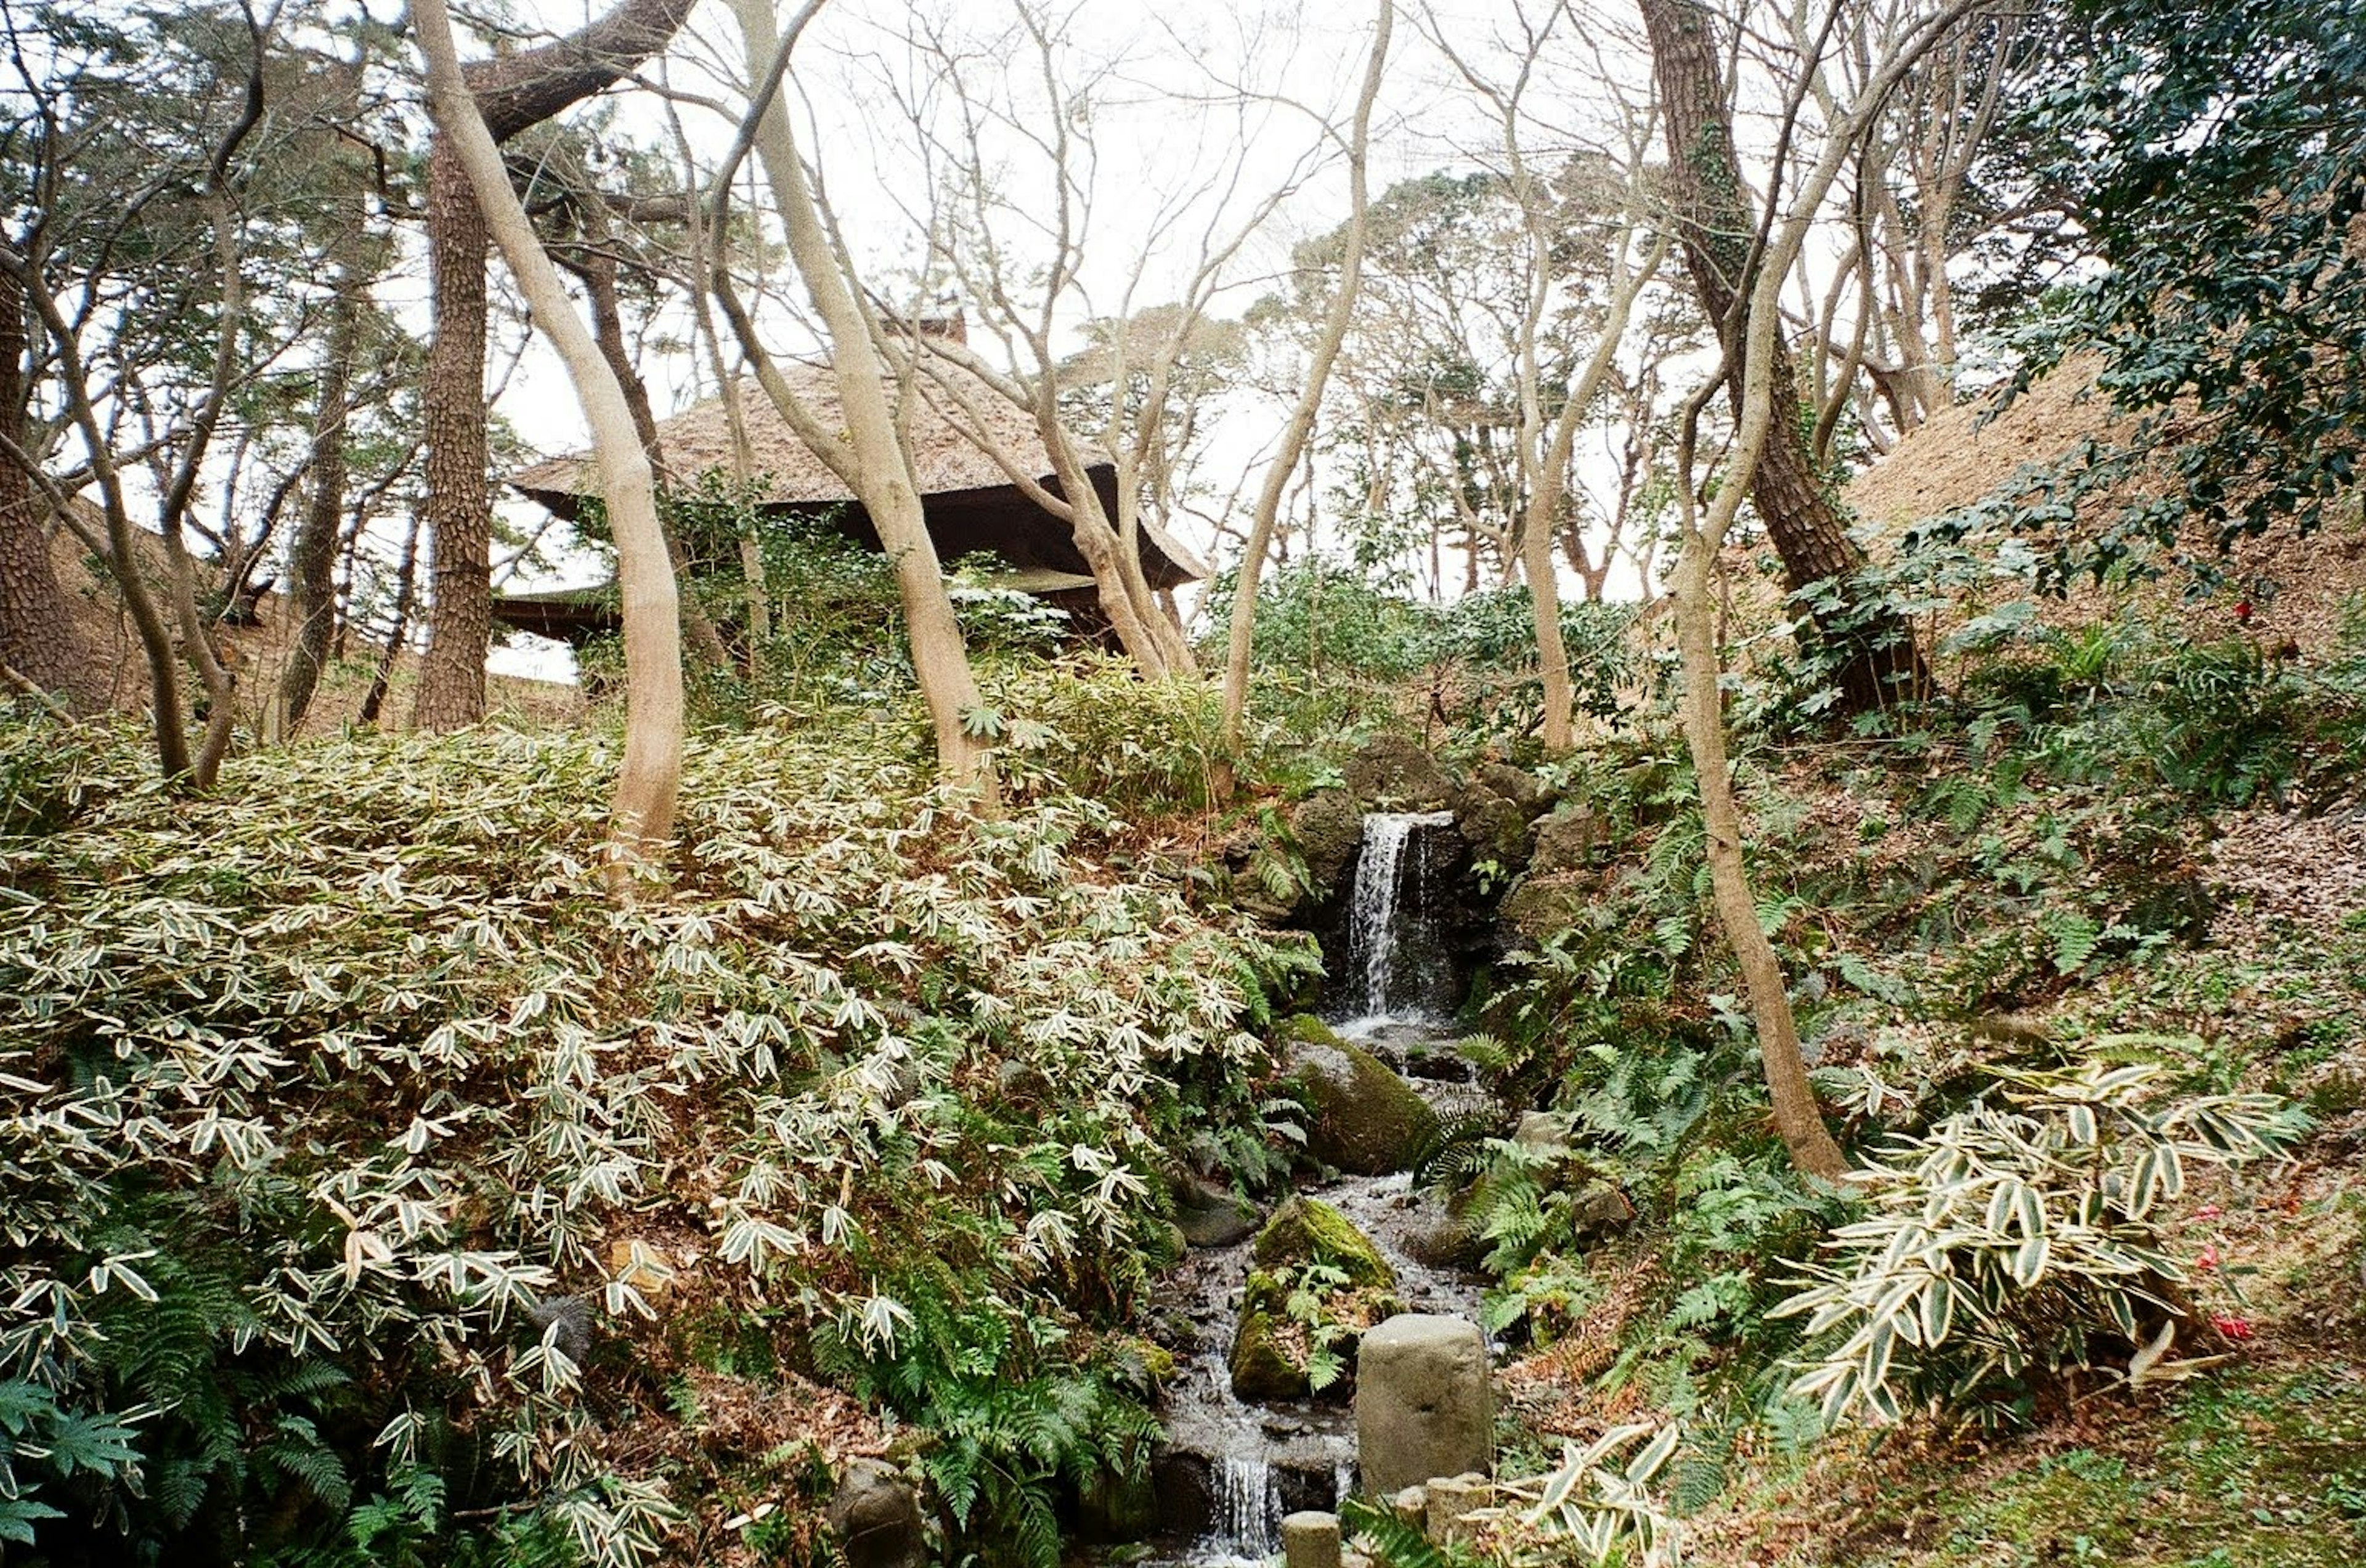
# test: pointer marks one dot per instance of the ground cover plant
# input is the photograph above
(364, 1166)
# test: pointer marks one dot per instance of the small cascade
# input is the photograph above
(1248, 1509)
(1379, 932)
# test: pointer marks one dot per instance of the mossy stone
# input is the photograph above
(1307, 1230)
(1367, 1121)
(1261, 1368)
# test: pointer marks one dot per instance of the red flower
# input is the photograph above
(2208, 1212)
(2208, 1258)
(2243, 611)
(2231, 1327)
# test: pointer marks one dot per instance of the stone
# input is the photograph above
(1310, 1540)
(876, 1516)
(1424, 1404)
(642, 1265)
(1394, 773)
(1541, 907)
(1449, 1499)
(1518, 785)
(1208, 1215)
(1542, 1130)
(1494, 826)
(1366, 1120)
(1307, 1230)
(1411, 1507)
(1261, 1365)
(1566, 840)
(1328, 826)
(1443, 1241)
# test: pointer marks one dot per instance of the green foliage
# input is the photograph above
(1592, 1507)
(312, 1088)
(2018, 1240)
(2207, 153)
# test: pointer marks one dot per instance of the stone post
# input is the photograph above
(1425, 1405)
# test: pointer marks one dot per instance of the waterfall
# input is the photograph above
(1248, 1510)
(1373, 929)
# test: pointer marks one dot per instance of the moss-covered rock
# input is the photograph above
(1307, 1230)
(1270, 1348)
(1327, 825)
(1262, 1363)
(1366, 1120)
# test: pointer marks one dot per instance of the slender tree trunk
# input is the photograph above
(882, 474)
(406, 598)
(313, 559)
(597, 268)
(651, 777)
(1878, 660)
(511, 94)
(1301, 420)
(38, 638)
(1797, 1118)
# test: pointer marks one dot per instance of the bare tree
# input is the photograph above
(867, 454)
(1591, 192)
(642, 821)
(1284, 460)
(1756, 369)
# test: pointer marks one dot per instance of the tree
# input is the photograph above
(871, 460)
(1756, 369)
(2211, 154)
(642, 821)
(1872, 650)
(512, 93)
(1326, 351)
(41, 646)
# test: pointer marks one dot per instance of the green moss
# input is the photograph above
(1366, 1119)
(1306, 1230)
(1261, 1363)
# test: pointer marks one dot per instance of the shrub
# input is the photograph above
(2017, 1239)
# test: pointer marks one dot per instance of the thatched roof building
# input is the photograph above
(970, 502)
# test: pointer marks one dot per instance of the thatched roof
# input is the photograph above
(969, 498)
(699, 439)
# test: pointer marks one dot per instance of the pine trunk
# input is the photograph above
(39, 639)
(1876, 661)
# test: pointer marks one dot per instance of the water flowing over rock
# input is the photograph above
(1393, 962)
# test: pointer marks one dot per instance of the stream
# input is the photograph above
(1259, 1461)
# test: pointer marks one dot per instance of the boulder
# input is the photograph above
(1424, 1406)
(1328, 826)
(1208, 1215)
(1264, 1360)
(1307, 1230)
(1261, 1364)
(1541, 907)
(876, 1516)
(1494, 826)
(1518, 785)
(1366, 1120)
(1566, 840)
(1394, 773)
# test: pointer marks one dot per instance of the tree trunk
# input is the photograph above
(39, 639)
(511, 94)
(1301, 420)
(313, 559)
(458, 505)
(882, 475)
(650, 778)
(1874, 650)
(1797, 1118)
(597, 269)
